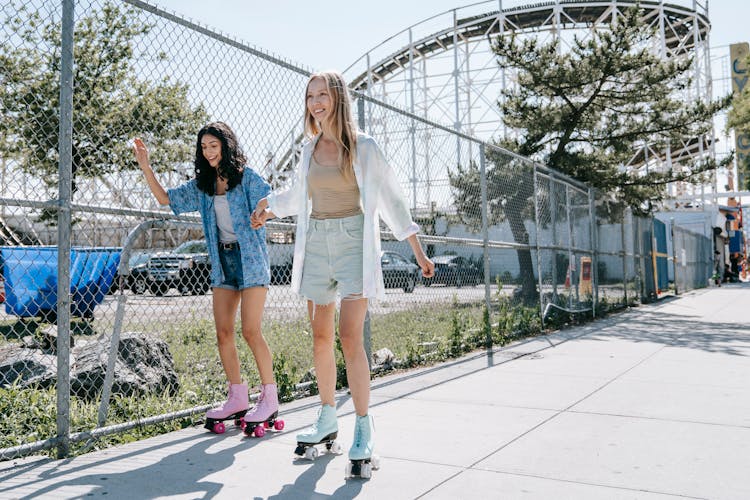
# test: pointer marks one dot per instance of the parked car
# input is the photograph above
(454, 270)
(398, 272)
(195, 267)
(136, 260)
(186, 268)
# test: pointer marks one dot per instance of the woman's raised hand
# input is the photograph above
(141, 154)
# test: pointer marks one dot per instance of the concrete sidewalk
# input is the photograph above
(650, 403)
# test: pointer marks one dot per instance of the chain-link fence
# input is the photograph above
(107, 326)
(693, 259)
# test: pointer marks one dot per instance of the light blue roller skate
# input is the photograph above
(361, 459)
(323, 431)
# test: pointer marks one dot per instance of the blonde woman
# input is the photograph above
(343, 186)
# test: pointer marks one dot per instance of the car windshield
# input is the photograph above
(443, 259)
(138, 259)
(191, 247)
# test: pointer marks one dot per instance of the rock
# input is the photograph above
(144, 365)
(383, 358)
(25, 366)
(308, 377)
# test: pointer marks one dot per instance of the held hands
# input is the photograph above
(258, 218)
(260, 215)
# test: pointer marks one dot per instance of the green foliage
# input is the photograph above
(286, 377)
(341, 380)
(111, 103)
(455, 342)
(586, 110)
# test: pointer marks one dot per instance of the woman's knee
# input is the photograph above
(252, 334)
(225, 335)
(351, 343)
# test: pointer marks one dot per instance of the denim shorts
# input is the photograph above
(231, 265)
(333, 259)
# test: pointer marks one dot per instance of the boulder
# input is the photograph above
(383, 359)
(143, 365)
(25, 366)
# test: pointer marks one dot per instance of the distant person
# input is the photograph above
(729, 275)
(225, 191)
(342, 188)
(718, 275)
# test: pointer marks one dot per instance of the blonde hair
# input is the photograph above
(339, 121)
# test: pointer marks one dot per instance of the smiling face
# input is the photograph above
(319, 101)
(211, 148)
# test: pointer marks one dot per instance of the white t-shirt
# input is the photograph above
(223, 219)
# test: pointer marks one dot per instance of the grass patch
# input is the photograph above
(420, 336)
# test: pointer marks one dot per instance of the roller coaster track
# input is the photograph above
(679, 38)
(443, 67)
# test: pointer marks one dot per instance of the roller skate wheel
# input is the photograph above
(267, 424)
(219, 428)
(375, 461)
(241, 423)
(311, 453)
(335, 448)
(348, 472)
(365, 471)
(259, 431)
(278, 425)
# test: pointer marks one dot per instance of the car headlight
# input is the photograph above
(186, 264)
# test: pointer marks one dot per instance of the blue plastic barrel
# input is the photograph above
(31, 279)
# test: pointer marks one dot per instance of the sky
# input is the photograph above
(332, 34)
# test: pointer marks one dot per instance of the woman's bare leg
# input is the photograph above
(251, 312)
(225, 304)
(322, 320)
(351, 324)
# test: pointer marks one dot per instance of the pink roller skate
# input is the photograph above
(234, 407)
(264, 414)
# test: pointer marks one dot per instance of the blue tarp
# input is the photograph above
(31, 279)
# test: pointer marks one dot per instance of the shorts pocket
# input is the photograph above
(354, 233)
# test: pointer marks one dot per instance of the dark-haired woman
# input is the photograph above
(225, 192)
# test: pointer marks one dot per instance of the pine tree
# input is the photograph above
(586, 112)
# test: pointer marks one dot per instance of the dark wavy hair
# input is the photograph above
(232, 159)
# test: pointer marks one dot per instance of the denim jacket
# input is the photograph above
(381, 197)
(242, 200)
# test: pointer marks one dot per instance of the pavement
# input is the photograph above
(649, 403)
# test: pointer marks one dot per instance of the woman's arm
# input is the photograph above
(141, 155)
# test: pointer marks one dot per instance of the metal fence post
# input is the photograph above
(594, 254)
(485, 235)
(366, 332)
(571, 256)
(540, 280)
(624, 260)
(674, 254)
(65, 170)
